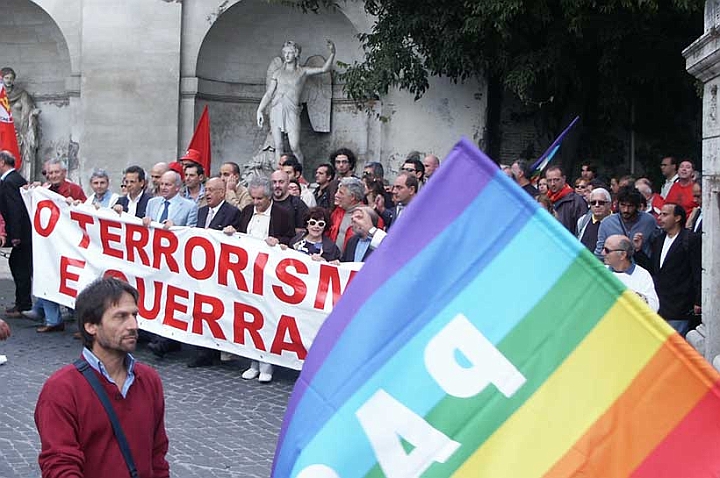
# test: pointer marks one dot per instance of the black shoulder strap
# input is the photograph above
(84, 368)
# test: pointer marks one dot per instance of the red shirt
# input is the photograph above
(682, 196)
(69, 190)
(76, 435)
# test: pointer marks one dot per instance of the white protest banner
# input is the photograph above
(197, 286)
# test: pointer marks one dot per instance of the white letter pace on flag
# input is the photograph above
(318, 471)
(385, 421)
(488, 365)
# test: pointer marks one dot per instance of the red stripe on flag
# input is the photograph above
(691, 449)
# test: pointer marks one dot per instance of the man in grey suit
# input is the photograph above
(170, 208)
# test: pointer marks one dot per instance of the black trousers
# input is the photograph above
(20, 263)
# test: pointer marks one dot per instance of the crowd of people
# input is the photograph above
(342, 217)
(650, 240)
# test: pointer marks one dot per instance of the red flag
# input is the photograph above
(8, 140)
(199, 148)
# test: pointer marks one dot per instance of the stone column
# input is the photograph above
(130, 83)
(703, 62)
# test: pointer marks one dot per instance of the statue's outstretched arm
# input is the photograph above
(272, 86)
(328, 63)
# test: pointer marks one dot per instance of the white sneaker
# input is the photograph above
(250, 374)
(3, 359)
(266, 372)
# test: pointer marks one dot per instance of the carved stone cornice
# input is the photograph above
(702, 57)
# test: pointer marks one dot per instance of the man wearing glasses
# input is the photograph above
(629, 221)
(669, 169)
(588, 225)
(618, 254)
(414, 166)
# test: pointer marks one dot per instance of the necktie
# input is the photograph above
(211, 214)
(164, 215)
(400, 209)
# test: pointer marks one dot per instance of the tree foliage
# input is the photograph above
(595, 56)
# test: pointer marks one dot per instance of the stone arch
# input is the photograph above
(33, 44)
(228, 70)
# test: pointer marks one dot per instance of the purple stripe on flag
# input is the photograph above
(453, 187)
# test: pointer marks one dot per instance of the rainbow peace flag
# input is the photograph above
(483, 340)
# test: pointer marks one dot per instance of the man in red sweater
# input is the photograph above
(75, 432)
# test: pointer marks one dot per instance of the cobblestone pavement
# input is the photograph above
(218, 424)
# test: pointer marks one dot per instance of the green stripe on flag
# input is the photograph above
(536, 346)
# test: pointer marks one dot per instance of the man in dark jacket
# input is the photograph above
(569, 206)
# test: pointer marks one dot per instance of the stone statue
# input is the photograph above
(262, 164)
(289, 85)
(25, 117)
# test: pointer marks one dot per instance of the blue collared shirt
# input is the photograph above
(361, 248)
(95, 363)
(629, 271)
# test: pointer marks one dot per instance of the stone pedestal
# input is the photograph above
(703, 62)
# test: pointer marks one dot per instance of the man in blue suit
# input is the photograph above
(170, 208)
(135, 202)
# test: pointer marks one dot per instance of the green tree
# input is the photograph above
(598, 59)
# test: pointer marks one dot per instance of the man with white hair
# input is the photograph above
(349, 195)
(588, 225)
(618, 255)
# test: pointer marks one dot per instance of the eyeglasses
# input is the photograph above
(608, 251)
(598, 203)
(408, 170)
(313, 222)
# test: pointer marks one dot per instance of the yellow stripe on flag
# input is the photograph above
(582, 388)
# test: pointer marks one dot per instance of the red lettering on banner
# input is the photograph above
(143, 311)
(106, 237)
(208, 256)
(83, 220)
(259, 273)
(116, 274)
(329, 277)
(351, 277)
(199, 315)
(297, 284)
(172, 306)
(136, 239)
(66, 275)
(288, 325)
(164, 244)
(54, 217)
(240, 325)
(226, 265)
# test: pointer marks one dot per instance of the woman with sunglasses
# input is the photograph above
(314, 242)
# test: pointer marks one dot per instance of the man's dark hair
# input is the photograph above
(411, 180)
(687, 160)
(630, 195)
(590, 167)
(7, 70)
(297, 167)
(288, 157)
(350, 156)
(525, 167)
(136, 170)
(678, 210)
(555, 167)
(198, 167)
(235, 166)
(7, 158)
(95, 299)
(673, 160)
(419, 166)
(378, 171)
(330, 170)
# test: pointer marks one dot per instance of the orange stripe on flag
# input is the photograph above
(661, 395)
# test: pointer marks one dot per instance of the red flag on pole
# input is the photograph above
(8, 140)
(199, 148)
